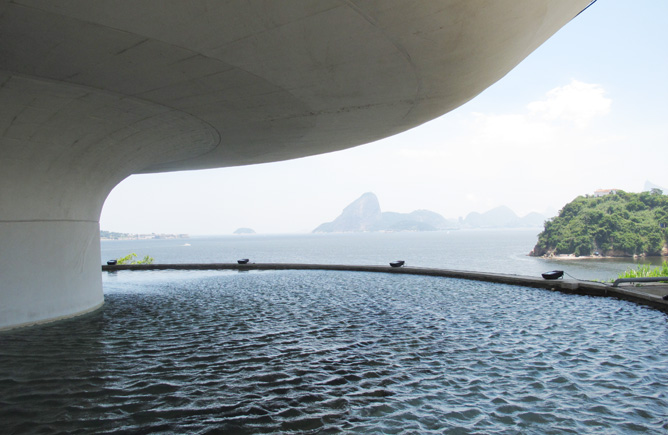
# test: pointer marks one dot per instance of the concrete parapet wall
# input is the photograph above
(588, 288)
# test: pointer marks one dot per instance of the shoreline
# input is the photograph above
(568, 257)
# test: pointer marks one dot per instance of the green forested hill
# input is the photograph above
(613, 225)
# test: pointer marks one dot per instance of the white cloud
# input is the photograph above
(577, 102)
(482, 160)
(510, 131)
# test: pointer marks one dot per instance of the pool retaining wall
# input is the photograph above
(651, 295)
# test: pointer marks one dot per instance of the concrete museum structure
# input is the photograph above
(94, 91)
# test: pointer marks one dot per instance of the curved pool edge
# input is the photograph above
(639, 295)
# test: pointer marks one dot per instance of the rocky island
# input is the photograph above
(614, 224)
(364, 214)
(244, 231)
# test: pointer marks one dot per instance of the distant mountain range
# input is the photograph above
(364, 214)
(503, 217)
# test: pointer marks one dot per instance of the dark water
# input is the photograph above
(502, 251)
(309, 352)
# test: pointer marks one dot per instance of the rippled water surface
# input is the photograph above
(333, 352)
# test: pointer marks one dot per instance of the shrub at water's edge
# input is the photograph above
(130, 259)
(615, 225)
(645, 271)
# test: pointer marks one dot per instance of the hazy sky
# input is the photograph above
(587, 110)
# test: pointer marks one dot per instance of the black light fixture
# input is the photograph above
(554, 274)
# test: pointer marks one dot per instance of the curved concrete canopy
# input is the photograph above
(91, 92)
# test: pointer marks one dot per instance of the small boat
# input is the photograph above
(397, 263)
(111, 263)
(554, 274)
(243, 261)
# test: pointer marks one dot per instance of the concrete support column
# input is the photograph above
(49, 270)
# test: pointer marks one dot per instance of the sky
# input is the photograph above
(587, 110)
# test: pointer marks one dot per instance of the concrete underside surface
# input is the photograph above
(92, 92)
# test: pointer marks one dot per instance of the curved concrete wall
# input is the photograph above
(92, 92)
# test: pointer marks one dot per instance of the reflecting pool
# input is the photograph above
(333, 352)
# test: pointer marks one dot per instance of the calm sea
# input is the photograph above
(322, 352)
